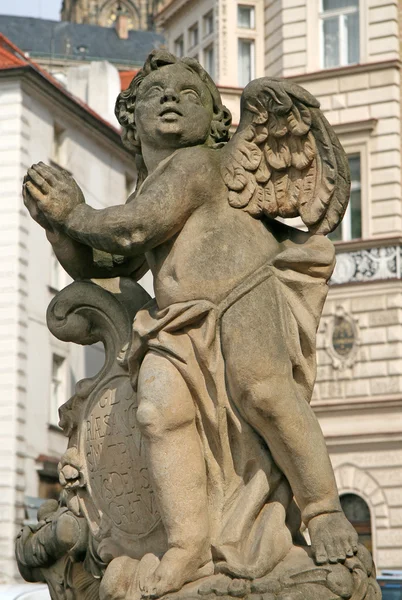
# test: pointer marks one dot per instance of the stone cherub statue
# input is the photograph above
(221, 363)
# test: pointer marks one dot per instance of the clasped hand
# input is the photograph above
(50, 194)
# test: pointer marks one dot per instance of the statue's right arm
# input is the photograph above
(82, 262)
(157, 214)
(160, 210)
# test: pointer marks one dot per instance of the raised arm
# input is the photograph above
(79, 260)
(166, 200)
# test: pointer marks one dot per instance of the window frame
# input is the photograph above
(54, 399)
(208, 17)
(252, 9)
(346, 223)
(179, 41)
(59, 146)
(205, 50)
(56, 276)
(194, 28)
(343, 47)
(359, 525)
(313, 21)
(251, 42)
(358, 144)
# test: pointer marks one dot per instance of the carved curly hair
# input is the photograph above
(125, 104)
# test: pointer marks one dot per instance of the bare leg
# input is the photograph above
(166, 415)
(262, 383)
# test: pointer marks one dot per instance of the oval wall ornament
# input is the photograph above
(343, 336)
(342, 339)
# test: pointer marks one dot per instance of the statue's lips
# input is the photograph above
(170, 111)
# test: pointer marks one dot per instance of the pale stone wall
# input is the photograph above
(27, 121)
(292, 34)
(180, 15)
(13, 322)
(358, 401)
(364, 107)
(359, 407)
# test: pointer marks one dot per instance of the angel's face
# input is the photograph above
(173, 108)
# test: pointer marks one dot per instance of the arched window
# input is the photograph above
(110, 11)
(358, 513)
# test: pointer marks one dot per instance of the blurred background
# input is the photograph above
(62, 65)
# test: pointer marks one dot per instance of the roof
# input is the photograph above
(8, 58)
(12, 59)
(126, 77)
(76, 41)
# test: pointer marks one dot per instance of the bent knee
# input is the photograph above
(269, 399)
(165, 403)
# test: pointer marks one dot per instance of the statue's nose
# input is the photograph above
(170, 95)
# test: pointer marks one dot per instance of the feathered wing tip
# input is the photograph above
(284, 159)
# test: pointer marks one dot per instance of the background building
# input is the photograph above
(57, 46)
(139, 14)
(40, 120)
(226, 37)
(348, 55)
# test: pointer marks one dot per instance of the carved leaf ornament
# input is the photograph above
(284, 159)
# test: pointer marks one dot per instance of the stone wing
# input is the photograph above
(284, 159)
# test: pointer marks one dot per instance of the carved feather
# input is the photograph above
(277, 152)
(241, 199)
(277, 125)
(248, 155)
(285, 159)
(270, 206)
(302, 150)
(263, 172)
(255, 206)
(234, 176)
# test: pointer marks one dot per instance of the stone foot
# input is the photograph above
(333, 538)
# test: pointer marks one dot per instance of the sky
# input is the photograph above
(46, 9)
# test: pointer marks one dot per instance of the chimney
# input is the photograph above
(121, 25)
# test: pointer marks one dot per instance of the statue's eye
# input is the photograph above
(154, 90)
(192, 94)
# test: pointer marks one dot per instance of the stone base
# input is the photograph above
(297, 577)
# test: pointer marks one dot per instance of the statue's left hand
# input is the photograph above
(55, 192)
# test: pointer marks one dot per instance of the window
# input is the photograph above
(351, 226)
(246, 16)
(56, 273)
(246, 60)
(94, 359)
(130, 186)
(209, 60)
(358, 513)
(58, 387)
(179, 47)
(340, 32)
(193, 36)
(208, 23)
(59, 145)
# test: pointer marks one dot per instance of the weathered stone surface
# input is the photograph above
(194, 455)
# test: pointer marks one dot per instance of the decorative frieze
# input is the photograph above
(372, 264)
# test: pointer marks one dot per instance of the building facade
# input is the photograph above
(139, 13)
(348, 55)
(39, 120)
(226, 38)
